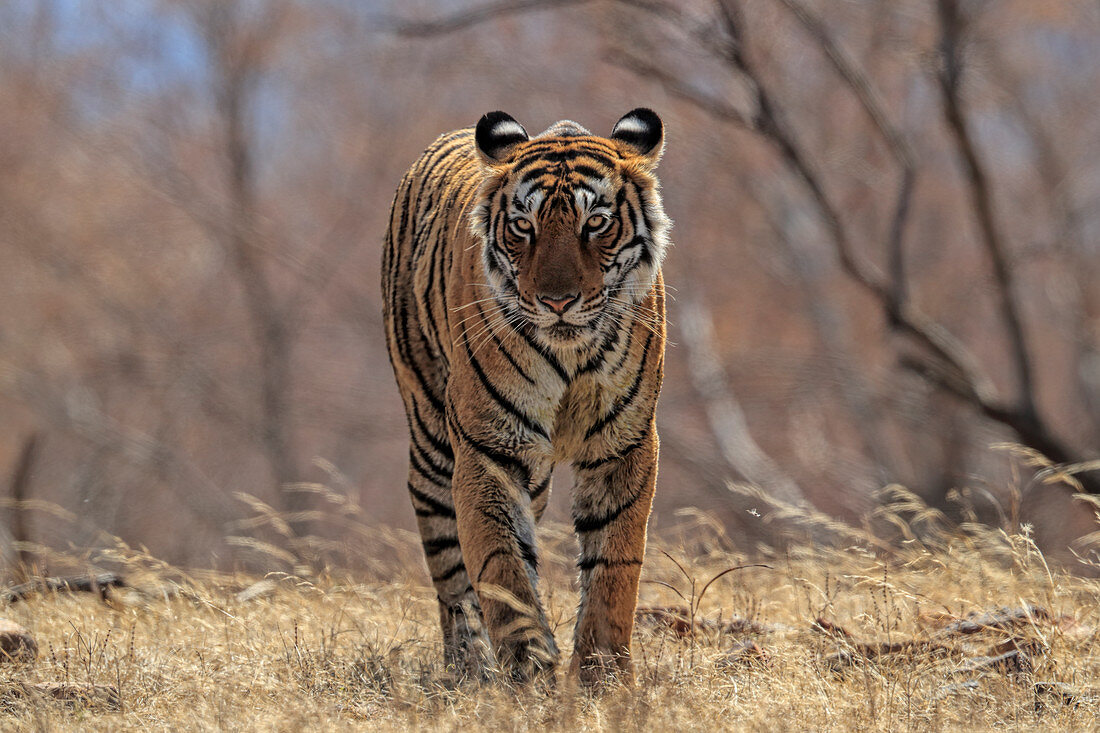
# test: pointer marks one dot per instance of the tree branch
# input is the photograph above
(896, 142)
(947, 364)
(20, 480)
(473, 16)
(955, 368)
(715, 107)
(725, 417)
(952, 30)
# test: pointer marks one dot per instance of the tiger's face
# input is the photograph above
(572, 226)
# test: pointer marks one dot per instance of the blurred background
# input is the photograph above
(886, 263)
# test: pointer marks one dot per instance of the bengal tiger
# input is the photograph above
(525, 320)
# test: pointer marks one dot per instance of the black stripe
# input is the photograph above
(631, 210)
(636, 241)
(431, 159)
(588, 171)
(426, 467)
(588, 563)
(626, 351)
(634, 265)
(441, 445)
(530, 556)
(432, 253)
(563, 156)
(610, 341)
(587, 146)
(536, 173)
(428, 159)
(409, 359)
(590, 523)
(548, 357)
(538, 147)
(495, 262)
(423, 226)
(623, 402)
(485, 563)
(393, 245)
(500, 347)
(594, 464)
(501, 459)
(491, 222)
(642, 208)
(541, 488)
(437, 545)
(438, 508)
(449, 573)
(499, 398)
(582, 186)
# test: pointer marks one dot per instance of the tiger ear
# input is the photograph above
(497, 133)
(642, 134)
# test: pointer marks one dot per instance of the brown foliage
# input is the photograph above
(886, 252)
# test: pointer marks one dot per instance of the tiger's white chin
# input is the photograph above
(564, 336)
(565, 332)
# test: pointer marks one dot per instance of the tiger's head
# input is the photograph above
(572, 226)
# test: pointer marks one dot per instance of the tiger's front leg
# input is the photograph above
(611, 505)
(492, 488)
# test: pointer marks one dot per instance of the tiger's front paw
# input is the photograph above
(531, 659)
(467, 653)
(597, 667)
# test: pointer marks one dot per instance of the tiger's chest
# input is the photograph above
(588, 398)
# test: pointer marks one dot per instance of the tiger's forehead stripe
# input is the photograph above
(565, 152)
(563, 144)
(581, 170)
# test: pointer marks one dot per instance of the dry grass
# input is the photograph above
(336, 650)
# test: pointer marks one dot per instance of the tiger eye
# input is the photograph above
(522, 224)
(595, 221)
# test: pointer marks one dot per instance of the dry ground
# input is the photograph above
(960, 628)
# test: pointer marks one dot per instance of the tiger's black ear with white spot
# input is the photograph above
(497, 133)
(642, 134)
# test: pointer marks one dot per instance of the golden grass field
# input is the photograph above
(950, 627)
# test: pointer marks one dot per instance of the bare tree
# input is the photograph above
(192, 195)
(239, 43)
(940, 358)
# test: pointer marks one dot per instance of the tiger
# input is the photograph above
(525, 322)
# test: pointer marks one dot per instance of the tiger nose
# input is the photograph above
(559, 305)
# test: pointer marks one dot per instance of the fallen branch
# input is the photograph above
(1000, 619)
(98, 583)
(1011, 655)
(677, 619)
(71, 695)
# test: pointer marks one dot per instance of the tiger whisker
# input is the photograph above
(496, 309)
(489, 325)
(507, 322)
(473, 302)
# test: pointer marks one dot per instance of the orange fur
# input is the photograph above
(487, 238)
